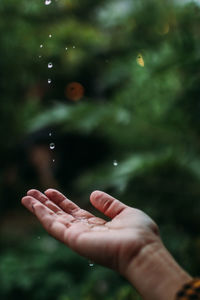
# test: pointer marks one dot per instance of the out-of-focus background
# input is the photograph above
(97, 95)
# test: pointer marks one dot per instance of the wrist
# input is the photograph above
(155, 274)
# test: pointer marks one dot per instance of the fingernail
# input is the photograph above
(47, 190)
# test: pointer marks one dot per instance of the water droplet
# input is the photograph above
(50, 36)
(115, 163)
(52, 146)
(73, 47)
(91, 264)
(40, 56)
(50, 134)
(49, 80)
(66, 48)
(41, 46)
(38, 237)
(47, 2)
(53, 160)
(50, 65)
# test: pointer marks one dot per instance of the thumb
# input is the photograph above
(105, 203)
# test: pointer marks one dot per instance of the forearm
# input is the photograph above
(155, 274)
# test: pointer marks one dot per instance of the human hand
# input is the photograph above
(114, 244)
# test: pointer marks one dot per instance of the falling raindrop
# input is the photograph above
(50, 134)
(47, 2)
(52, 146)
(73, 47)
(115, 163)
(40, 56)
(50, 65)
(50, 35)
(38, 237)
(53, 160)
(49, 80)
(66, 48)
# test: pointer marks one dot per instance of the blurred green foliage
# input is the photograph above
(54, 272)
(134, 134)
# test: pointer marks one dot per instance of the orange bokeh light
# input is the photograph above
(74, 91)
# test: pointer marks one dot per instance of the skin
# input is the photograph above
(128, 243)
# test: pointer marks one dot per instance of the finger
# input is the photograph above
(53, 223)
(29, 202)
(44, 199)
(66, 204)
(105, 203)
(50, 221)
(70, 207)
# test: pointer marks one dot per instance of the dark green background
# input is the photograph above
(146, 118)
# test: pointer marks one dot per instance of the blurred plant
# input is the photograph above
(44, 269)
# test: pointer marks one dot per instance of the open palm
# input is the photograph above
(113, 243)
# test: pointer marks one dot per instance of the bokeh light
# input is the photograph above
(74, 91)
